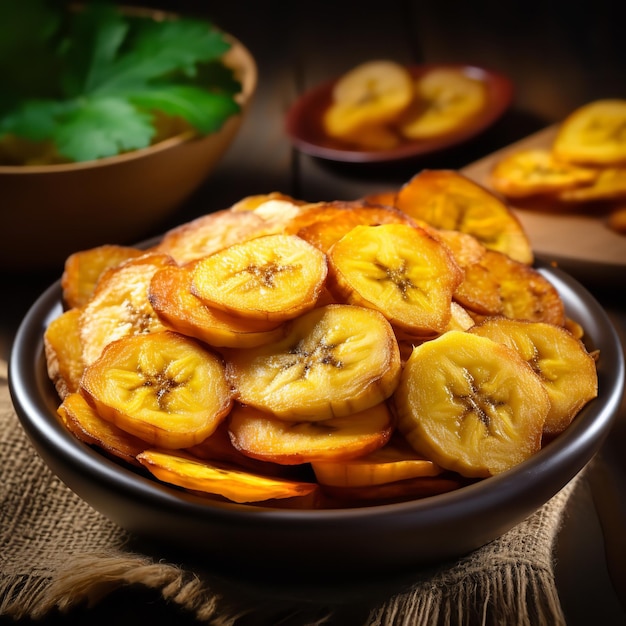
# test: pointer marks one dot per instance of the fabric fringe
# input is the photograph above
(485, 598)
(79, 583)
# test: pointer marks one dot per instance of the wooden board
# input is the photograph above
(579, 243)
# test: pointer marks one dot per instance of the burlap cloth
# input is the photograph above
(57, 553)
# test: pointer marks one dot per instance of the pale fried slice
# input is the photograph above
(399, 270)
(120, 305)
(252, 203)
(372, 93)
(212, 232)
(162, 387)
(83, 269)
(498, 285)
(272, 278)
(261, 436)
(334, 360)
(171, 297)
(239, 486)
(594, 134)
(537, 171)
(64, 352)
(470, 404)
(449, 200)
(446, 99)
(393, 462)
(83, 421)
(560, 360)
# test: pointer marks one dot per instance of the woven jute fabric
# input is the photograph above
(57, 553)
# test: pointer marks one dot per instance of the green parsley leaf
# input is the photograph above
(202, 109)
(115, 72)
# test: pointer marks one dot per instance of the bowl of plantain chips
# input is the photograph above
(299, 384)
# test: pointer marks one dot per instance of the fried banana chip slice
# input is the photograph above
(83, 421)
(594, 134)
(64, 352)
(393, 462)
(560, 360)
(334, 361)
(449, 200)
(172, 299)
(163, 387)
(236, 485)
(120, 305)
(210, 233)
(272, 278)
(83, 269)
(537, 171)
(261, 436)
(398, 270)
(498, 285)
(370, 94)
(471, 404)
(446, 99)
(325, 232)
(609, 185)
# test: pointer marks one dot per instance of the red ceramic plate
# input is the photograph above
(304, 121)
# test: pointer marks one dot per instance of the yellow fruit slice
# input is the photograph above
(170, 295)
(239, 486)
(449, 200)
(560, 360)
(398, 270)
(84, 422)
(261, 436)
(594, 134)
(334, 361)
(446, 99)
(83, 269)
(64, 352)
(498, 285)
(372, 93)
(120, 305)
(393, 462)
(162, 387)
(272, 278)
(470, 404)
(537, 171)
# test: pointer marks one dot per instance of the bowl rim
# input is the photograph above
(570, 451)
(238, 57)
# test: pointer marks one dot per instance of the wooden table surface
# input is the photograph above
(559, 56)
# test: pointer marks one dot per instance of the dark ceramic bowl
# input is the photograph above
(379, 538)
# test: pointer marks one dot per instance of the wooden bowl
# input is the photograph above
(50, 211)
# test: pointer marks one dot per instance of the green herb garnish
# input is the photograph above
(93, 82)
